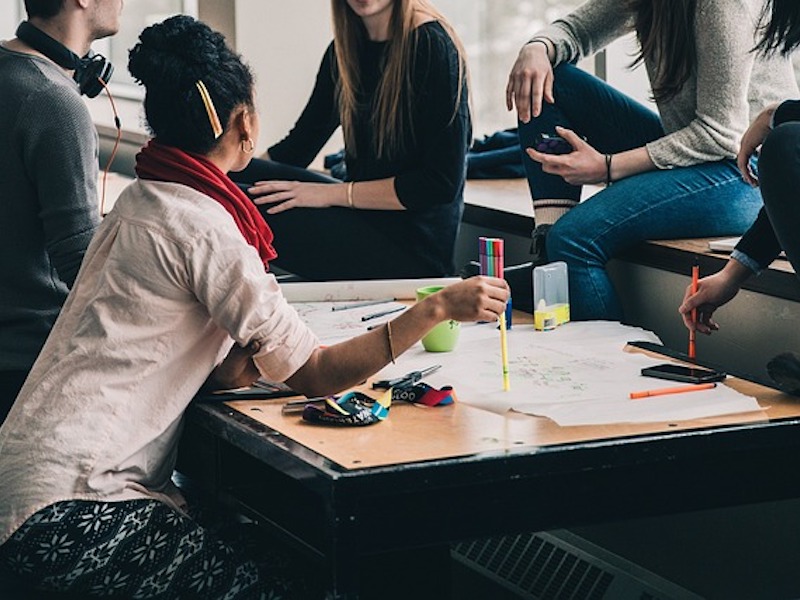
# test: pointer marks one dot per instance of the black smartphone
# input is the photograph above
(551, 144)
(683, 373)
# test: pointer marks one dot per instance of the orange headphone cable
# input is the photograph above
(118, 125)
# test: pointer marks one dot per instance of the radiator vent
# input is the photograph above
(559, 565)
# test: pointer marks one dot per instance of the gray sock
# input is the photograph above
(547, 211)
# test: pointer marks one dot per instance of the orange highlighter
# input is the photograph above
(693, 331)
(680, 389)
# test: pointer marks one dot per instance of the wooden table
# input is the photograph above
(380, 505)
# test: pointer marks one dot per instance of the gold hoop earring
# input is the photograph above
(248, 146)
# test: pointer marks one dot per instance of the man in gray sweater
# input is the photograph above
(48, 177)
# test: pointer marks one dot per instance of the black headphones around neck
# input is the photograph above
(88, 70)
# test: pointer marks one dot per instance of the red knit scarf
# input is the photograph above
(166, 163)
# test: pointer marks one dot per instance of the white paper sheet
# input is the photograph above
(332, 326)
(577, 374)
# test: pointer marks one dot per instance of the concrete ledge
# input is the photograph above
(501, 204)
(677, 256)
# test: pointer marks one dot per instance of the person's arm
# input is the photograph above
(712, 292)
(59, 143)
(236, 370)
(724, 65)
(751, 141)
(343, 365)
(759, 245)
(755, 251)
(366, 195)
(581, 33)
(316, 123)
(585, 165)
(442, 126)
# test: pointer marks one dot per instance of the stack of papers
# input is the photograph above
(577, 374)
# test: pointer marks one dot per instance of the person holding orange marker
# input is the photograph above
(775, 137)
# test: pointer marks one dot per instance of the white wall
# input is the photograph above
(634, 83)
(8, 20)
(283, 40)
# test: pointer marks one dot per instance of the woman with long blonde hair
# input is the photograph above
(394, 79)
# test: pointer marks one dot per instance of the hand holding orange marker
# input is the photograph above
(680, 389)
(693, 330)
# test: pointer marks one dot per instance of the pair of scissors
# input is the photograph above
(407, 379)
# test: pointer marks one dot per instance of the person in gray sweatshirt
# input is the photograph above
(49, 153)
(670, 174)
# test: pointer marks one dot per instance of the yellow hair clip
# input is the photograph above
(213, 118)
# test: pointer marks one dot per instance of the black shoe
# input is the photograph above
(785, 372)
(539, 245)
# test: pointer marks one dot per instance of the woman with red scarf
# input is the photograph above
(174, 291)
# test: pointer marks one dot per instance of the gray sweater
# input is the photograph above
(48, 199)
(731, 85)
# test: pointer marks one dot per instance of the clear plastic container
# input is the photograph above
(550, 296)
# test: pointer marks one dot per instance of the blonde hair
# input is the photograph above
(392, 109)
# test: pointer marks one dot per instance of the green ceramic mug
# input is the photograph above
(443, 337)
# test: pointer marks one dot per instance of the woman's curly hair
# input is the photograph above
(169, 59)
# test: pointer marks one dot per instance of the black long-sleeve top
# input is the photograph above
(759, 243)
(430, 171)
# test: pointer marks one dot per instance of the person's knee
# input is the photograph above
(779, 153)
(567, 76)
(566, 240)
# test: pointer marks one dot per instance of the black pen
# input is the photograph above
(382, 314)
(360, 304)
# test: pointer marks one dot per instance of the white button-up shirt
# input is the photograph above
(166, 285)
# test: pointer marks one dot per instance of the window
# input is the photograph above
(136, 16)
(493, 31)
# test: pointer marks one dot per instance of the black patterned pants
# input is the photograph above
(134, 549)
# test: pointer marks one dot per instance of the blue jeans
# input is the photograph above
(704, 200)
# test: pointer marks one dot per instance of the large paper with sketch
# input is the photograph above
(578, 374)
